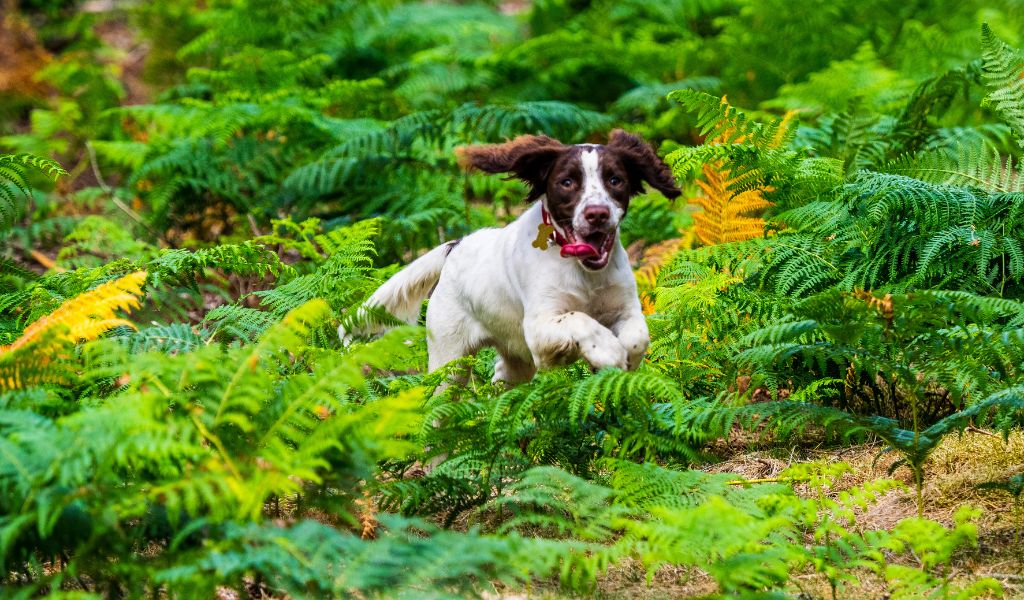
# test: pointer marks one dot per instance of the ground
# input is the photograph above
(953, 474)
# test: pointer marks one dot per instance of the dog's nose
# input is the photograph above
(596, 215)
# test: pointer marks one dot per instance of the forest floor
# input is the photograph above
(953, 474)
(954, 471)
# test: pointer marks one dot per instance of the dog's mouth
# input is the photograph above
(592, 250)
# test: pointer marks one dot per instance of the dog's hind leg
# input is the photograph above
(450, 336)
(449, 343)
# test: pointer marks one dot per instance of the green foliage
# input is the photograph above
(283, 159)
(841, 543)
(411, 558)
(652, 219)
(1001, 66)
(211, 435)
(966, 345)
(14, 170)
(934, 545)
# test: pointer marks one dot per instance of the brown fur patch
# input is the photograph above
(528, 157)
(562, 200)
(643, 164)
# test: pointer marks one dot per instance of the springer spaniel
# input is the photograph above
(552, 286)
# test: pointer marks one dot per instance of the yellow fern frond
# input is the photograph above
(38, 356)
(653, 260)
(727, 216)
(784, 124)
(89, 314)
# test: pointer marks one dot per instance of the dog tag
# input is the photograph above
(544, 232)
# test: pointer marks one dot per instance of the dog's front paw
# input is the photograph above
(635, 340)
(606, 352)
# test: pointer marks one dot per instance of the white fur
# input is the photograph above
(403, 294)
(535, 307)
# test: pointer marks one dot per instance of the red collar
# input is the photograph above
(556, 236)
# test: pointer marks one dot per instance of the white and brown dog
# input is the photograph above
(539, 304)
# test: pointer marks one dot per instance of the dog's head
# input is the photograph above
(585, 187)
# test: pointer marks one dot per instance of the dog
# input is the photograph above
(551, 287)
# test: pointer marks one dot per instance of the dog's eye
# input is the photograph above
(615, 180)
(566, 183)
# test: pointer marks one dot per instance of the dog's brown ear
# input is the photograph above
(528, 157)
(643, 164)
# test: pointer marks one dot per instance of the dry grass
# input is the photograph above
(953, 474)
(955, 470)
(961, 463)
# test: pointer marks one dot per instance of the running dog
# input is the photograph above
(552, 286)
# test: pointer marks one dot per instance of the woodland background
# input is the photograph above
(195, 193)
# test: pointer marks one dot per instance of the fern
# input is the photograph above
(719, 121)
(914, 344)
(978, 166)
(655, 523)
(231, 445)
(752, 161)
(411, 557)
(934, 544)
(558, 119)
(893, 232)
(249, 423)
(1002, 67)
(243, 259)
(651, 263)
(89, 315)
(39, 354)
(14, 184)
(726, 217)
(343, 278)
(176, 337)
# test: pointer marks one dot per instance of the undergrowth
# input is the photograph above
(179, 417)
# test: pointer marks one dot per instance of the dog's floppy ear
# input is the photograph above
(643, 164)
(528, 157)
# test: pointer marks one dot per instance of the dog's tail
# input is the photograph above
(401, 296)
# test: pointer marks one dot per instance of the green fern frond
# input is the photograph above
(408, 555)
(172, 338)
(1002, 67)
(932, 96)
(344, 278)
(645, 486)
(45, 165)
(232, 321)
(183, 266)
(980, 166)
(13, 174)
(622, 391)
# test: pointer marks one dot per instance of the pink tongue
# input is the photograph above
(579, 250)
